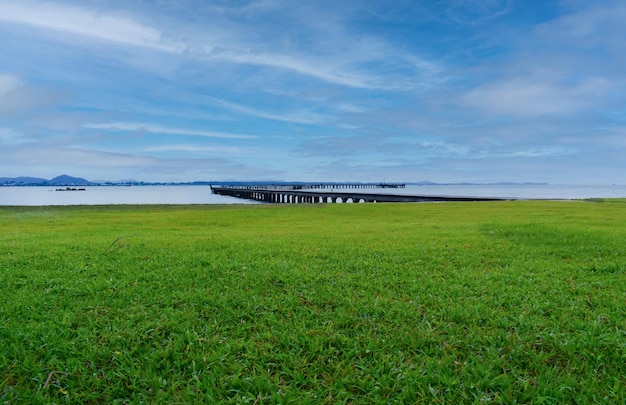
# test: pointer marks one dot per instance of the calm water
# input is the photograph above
(518, 191)
(115, 195)
(35, 196)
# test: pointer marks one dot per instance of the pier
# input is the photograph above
(314, 186)
(295, 194)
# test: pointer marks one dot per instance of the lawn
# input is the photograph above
(500, 302)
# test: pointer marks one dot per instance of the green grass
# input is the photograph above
(504, 302)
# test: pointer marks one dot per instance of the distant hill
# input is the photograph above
(63, 180)
(21, 180)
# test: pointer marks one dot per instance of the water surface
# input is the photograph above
(97, 195)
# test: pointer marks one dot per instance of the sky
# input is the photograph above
(314, 90)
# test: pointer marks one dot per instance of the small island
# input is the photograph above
(70, 189)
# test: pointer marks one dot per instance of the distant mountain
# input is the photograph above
(63, 180)
(21, 180)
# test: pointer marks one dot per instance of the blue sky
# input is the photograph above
(325, 90)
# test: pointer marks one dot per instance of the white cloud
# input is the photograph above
(300, 65)
(598, 24)
(220, 150)
(474, 12)
(142, 127)
(9, 136)
(83, 22)
(18, 96)
(301, 117)
(228, 40)
(537, 96)
(58, 156)
(9, 83)
(541, 152)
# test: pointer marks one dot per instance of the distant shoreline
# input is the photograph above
(6, 182)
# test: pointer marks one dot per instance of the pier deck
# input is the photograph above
(290, 195)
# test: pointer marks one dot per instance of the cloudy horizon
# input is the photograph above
(449, 91)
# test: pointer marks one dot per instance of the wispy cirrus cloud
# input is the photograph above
(193, 149)
(84, 22)
(474, 12)
(345, 63)
(301, 116)
(398, 72)
(187, 147)
(156, 129)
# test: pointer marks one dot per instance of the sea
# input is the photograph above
(200, 194)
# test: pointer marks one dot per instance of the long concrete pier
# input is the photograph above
(287, 195)
(313, 186)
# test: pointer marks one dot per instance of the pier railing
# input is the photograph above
(313, 186)
(286, 195)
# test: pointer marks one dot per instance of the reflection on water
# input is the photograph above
(35, 196)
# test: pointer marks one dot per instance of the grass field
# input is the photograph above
(504, 302)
